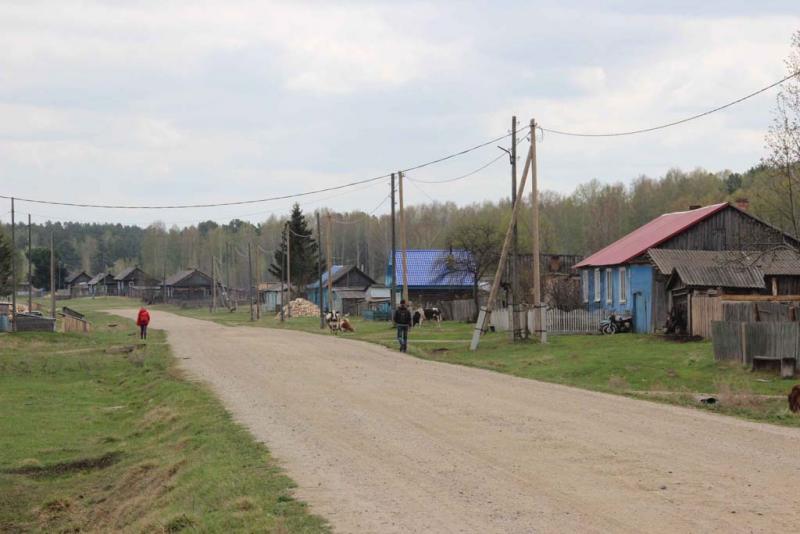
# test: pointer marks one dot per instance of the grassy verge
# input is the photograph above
(95, 438)
(641, 366)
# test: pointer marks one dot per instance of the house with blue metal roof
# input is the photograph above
(429, 278)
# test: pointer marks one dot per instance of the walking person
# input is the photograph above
(402, 320)
(142, 320)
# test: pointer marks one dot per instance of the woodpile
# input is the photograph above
(301, 308)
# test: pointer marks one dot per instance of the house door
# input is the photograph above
(641, 319)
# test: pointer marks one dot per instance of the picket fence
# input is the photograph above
(558, 321)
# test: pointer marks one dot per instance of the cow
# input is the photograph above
(346, 326)
(334, 321)
(418, 317)
(794, 399)
(433, 314)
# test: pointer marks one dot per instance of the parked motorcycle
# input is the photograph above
(616, 324)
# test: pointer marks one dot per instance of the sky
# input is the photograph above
(152, 102)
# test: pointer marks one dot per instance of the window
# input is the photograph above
(609, 287)
(597, 285)
(623, 284)
(585, 284)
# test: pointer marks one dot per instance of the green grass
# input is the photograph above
(647, 367)
(112, 441)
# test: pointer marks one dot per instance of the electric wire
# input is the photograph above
(674, 123)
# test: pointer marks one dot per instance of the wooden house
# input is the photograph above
(350, 285)
(78, 284)
(621, 278)
(102, 284)
(133, 280)
(190, 284)
(429, 279)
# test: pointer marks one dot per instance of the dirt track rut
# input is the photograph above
(381, 442)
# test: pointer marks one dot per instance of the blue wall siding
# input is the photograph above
(642, 297)
(638, 301)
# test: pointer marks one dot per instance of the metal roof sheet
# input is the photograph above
(427, 267)
(722, 276)
(773, 262)
(650, 235)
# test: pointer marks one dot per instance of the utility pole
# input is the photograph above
(539, 322)
(516, 331)
(52, 276)
(319, 274)
(329, 253)
(258, 284)
(283, 276)
(486, 312)
(393, 260)
(289, 264)
(13, 270)
(403, 243)
(213, 286)
(250, 279)
(30, 275)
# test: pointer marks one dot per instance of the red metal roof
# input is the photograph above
(650, 235)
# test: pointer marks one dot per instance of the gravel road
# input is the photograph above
(381, 442)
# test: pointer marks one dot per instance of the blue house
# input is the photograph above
(429, 278)
(622, 278)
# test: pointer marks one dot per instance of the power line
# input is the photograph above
(260, 200)
(366, 215)
(674, 123)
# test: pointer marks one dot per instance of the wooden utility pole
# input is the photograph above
(52, 276)
(30, 263)
(283, 286)
(258, 284)
(329, 254)
(516, 331)
(319, 274)
(289, 264)
(538, 313)
(13, 270)
(403, 243)
(486, 312)
(250, 279)
(393, 260)
(213, 286)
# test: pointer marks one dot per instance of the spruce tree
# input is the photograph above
(304, 253)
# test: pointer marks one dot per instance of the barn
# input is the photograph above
(190, 284)
(623, 277)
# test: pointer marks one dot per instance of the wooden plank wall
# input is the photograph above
(705, 310)
(746, 311)
(740, 342)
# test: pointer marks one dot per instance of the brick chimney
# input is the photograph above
(742, 203)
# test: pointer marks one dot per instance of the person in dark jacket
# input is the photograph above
(142, 320)
(402, 320)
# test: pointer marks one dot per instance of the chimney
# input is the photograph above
(742, 203)
(695, 207)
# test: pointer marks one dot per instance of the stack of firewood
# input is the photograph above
(301, 308)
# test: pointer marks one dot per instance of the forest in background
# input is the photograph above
(589, 218)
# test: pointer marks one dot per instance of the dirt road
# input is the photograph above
(380, 442)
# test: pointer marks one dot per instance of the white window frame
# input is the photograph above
(585, 285)
(609, 286)
(597, 285)
(623, 285)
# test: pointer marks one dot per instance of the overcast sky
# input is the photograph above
(140, 102)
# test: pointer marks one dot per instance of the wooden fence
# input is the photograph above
(705, 309)
(741, 341)
(579, 321)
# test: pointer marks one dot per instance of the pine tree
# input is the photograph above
(304, 253)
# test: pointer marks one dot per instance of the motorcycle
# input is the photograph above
(616, 323)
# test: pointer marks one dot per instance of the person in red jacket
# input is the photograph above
(142, 320)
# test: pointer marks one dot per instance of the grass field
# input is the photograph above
(647, 367)
(97, 439)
